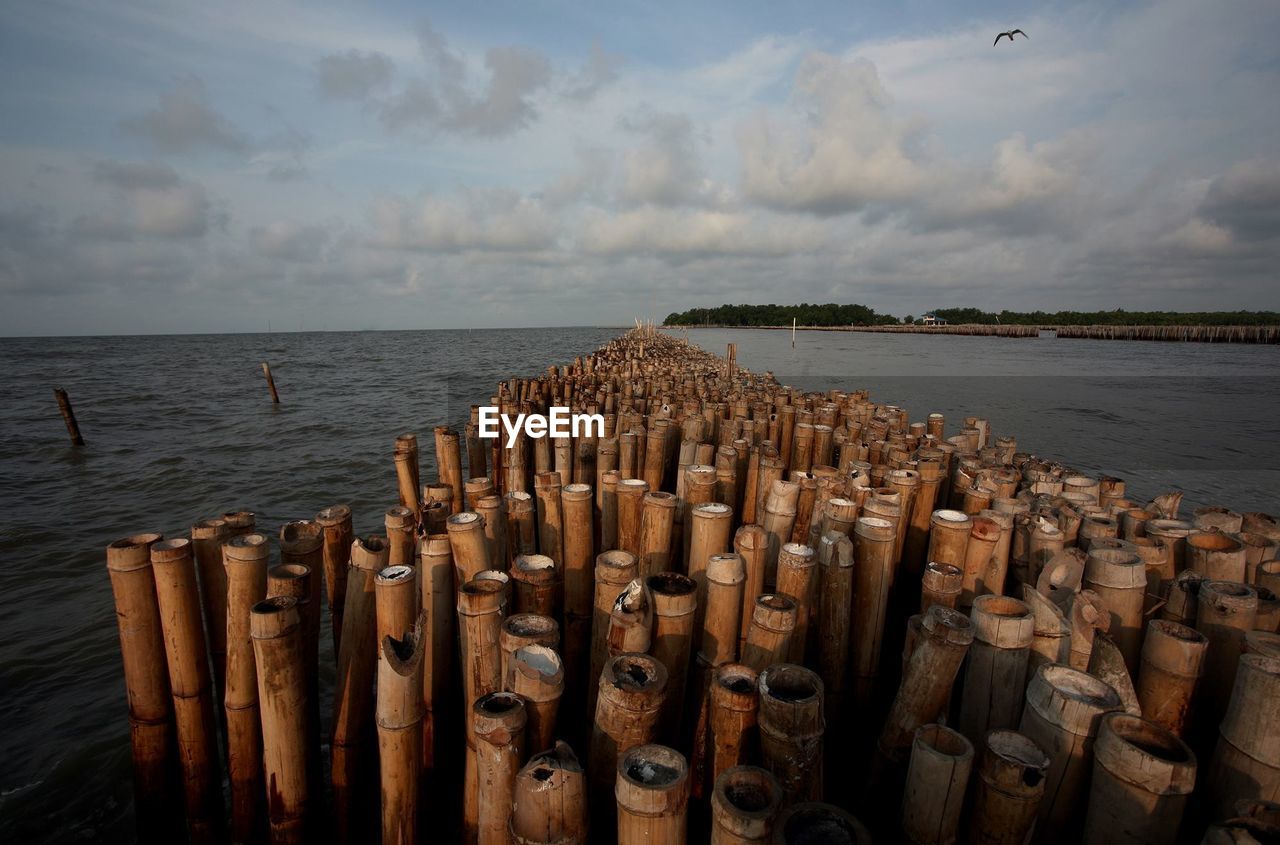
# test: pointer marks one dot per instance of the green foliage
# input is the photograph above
(832, 314)
(804, 314)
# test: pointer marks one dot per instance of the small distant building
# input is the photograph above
(932, 320)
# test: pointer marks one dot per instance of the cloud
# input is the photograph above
(186, 121)
(149, 200)
(354, 74)
(680, 235)
(484, 220)
(599, 70)
(849, 151)
(1245, 200)
(289, 241)
(667, 169)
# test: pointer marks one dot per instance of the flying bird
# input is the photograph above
(1010, 34)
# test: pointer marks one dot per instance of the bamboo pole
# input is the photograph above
(1216, 555)
(405, 456)
(812, 822)
(498, 722)
(549, 801)
(777, 520)
(537, 584)
(709, 527)
(401, 527)
(1064, 707)
(797, 578)
(652, 795)
(1052, 639)
(207, 537)
(630, 621)
(631, 493)
(276, 629)
(435, 577)
(791, 725)
(1008, 790)
(493, 510)
(1172, 662)
(835, 600)
(675, 599)
(245, 561)
(1142, 778)
(146, 680)
(536, 674)
(578, 561)
(937, 778)
(631, 689)
(725, 578)
(449, 463)
(302, 544)
(520, 630)
(469, 545)
(480, 612)
(941, 584)
(335, 520)
(984, 534)
(522, 527)
(353, 690)
(615, 569)
(656, 523)
(744, 805)
(752, 544)
(546, 488)
(399, 717)
(1119, 578)
(1224, 614)
(995, 677)
(187, 657)
(1246, 761)
(773, 621)
(271, 384)
(733, 707)
(69, 415)
(873, 553)
(609, 510)
(949, 537)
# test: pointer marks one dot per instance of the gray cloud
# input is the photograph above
(476, 220)
(1246, 200)
(667, 168)
(185, 120)
(355, 74)
(147, 199)
(290, 241)
(599, 70)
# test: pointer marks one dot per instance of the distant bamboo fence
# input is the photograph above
(1185, 334)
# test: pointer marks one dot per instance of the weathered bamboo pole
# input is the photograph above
(1008, 790)
(733, 709)
(791, 725)
(245, 561)
(652, 795)
(146, 680)
(773, 621)
(1142, 778)
(1120, 580)
(69, 416)
(335, 520)
(271, 384)
(995, 677)
(405, 456)
(187, 657)
(949, 537)
(813, 822)
(537, 585)
(546, 489)
(614, 570)
(401, 528)
(520, 630)
(744, 805)
(579, 554)
(1215, 555)
(399, 714)
(207, 537)
(752, 544)
(1225, 612)
(631, 493)
(1172, 662)
(522, 527)
(873, 553)
(536, 674)
(469, 545)
(302, 544)
(778, 520)
(941, 584)
(1246, 760)
(353, 691)
(632, 687)
(675, 599)
(493, 510)
(609, 510)
(1064, 707)
(937, 779)
(657, 520)
(435, 578)
(276, 628)
(480, 616)
(449, 463)
(549, 800)
(709, 527)
(498, 723)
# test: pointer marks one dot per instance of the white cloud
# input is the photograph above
(185, 120)
(496, 220)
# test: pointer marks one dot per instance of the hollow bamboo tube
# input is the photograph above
(1225, 612)
(1064, 707)
(276, 629)
(631, 621)
(998, 566)
(399, 718)
(777, 520)
(752, 544)
(654, 454)
(335, 521)
(652, 794)
(576, 500)
(995, 677)
(1120, 580)
(449, 463)
(937, 778)
(493, 512)
(302, 544)
(744, 805)
(1216, 555)
(733, 706)
(631, 493)
(474, 489)
(406, 460)
(614, 570)
(773, 621)
(549, 802)
(1142, 778)
(187, 657)
(656, 522)
(353, 691)
(146, 681)
(771, 469)
(435, 577)
(401, 529)
(395, 591)
(536, 674)
(1046, 541)
(949, 537)
(467, 541)
(791, 725)
(709, 528)
(631, 689)
(522, 527)
(927, 678)
(1246, 761)
(984, 533)
(207, 537)
(835, 599)
(873, 553)
(802, 448)
(524, 629)
(725, 578)
(920, 520)
(942, 584)
(480, 611)
(1008, 789)
(1182, 598)
(497, 721)
(546, 488)
(245, 561)
(536, 581)
(797, 577)
(675, 599)
(1258, 549)
(609, 510)
(477, 460)
(1217, 517)
(812, 822)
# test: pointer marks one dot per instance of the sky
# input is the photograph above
(238, 166)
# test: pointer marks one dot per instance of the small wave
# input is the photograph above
(1096, 413)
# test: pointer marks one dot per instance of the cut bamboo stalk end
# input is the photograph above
(498, 723)
(811, 821)
(276, 627)
(652, 794)
(1009, 789)
(744, 806)
(791, 725)
(549, 801)
(937, 779)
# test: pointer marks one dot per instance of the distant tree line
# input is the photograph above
(832, 314)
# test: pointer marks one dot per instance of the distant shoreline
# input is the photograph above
(1178, 334)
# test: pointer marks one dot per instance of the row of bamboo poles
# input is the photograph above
(1185, 334)
(745, 614)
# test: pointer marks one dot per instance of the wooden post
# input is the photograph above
(520, 630)
(549, 800)
(470, 549)
(69, 416)
(537, 585)
(996, 676)
(577, 566)
(399, 719)
(615, 569)
(1142, 778)
(435, 577)
(872, 575)
(276, 628)
(773, 620)
(744, 806)
(449, 463)
(1225, 612)
(336, 522)
(498, 723)
(752, 544)
(188, 659)
(245, 559)
(1246, 761)
(536, 674)
(146, 681)
(480, 607)
(632, 687)
(797, 578)
(1009, 788)
(937, 779)
(271, 383)
(791, 727)
(675, 599)
(652, 794)
(1172, 662)
(657, 520)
